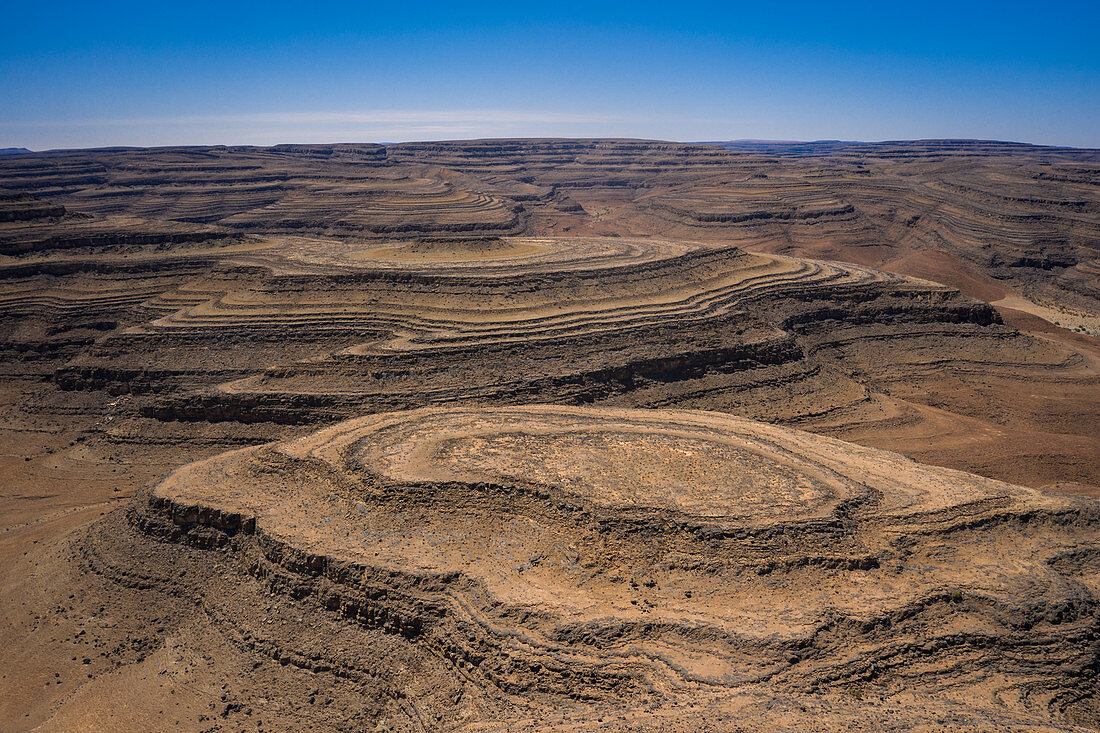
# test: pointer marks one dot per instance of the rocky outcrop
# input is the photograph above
(615, 558)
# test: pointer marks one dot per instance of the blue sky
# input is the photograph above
(125, 73)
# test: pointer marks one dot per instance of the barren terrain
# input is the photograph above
(551, 434)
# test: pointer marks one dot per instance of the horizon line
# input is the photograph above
(22, 150)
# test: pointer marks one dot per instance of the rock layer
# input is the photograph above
(549, 567)
(627, 557)
(984, 216)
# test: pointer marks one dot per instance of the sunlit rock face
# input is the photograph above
(619, 556)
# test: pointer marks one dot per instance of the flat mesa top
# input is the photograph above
(708, 466)
(556, 506)
(474, 256)
(698, 464)
(685, 473)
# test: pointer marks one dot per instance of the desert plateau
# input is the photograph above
(551, 434)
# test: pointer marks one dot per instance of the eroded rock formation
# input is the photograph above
(595, 560)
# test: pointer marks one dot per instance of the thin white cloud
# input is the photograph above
(425, 117)
(267, 128)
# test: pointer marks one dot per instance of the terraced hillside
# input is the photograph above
(936, 299)
(994, 219)
(266, 334)
(539, 568)
(349, 191)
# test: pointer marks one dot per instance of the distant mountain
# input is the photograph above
(797, 148)
(14, 151)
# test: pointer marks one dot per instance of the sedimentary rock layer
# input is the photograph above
(571, 567)
(268, 332)
(690, 559)
(979, 215)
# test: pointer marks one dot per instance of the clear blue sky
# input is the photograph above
(127, 73)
